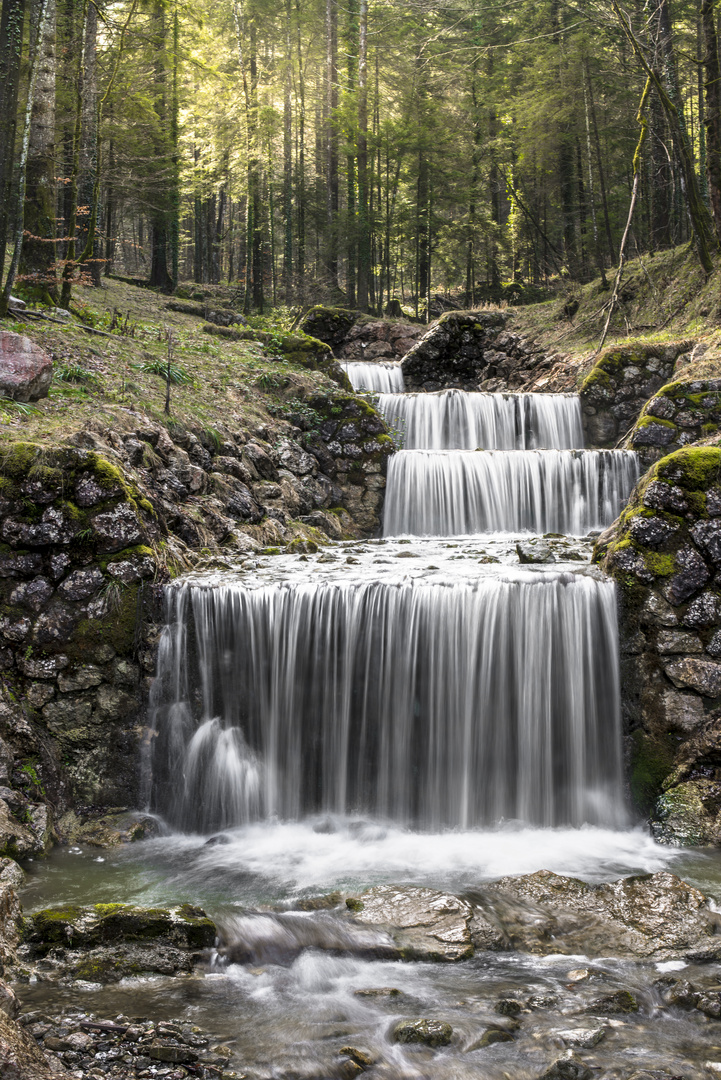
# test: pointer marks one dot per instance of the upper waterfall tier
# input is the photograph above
(455, 703)
(382, 377)
(457, 420)
(457, 492)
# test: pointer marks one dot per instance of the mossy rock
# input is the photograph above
(329, 324)
(689, 815)
(107, 924)
(652, 759)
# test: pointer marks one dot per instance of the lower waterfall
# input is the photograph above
(458, 492)
(457, 420)
(381, 377)
(458, 703)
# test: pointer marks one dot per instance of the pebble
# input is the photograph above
(124, 1048)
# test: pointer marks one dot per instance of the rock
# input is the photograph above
(684, 712)
(703, 676)
(568, 1067)
(689, 814)
(81, 584)
(509, 1007)
(360, 1057)
(653, 916)
(26, 370)
(585, 1038)
(534, 551)
(704, 611)
(692, 574)
(490, 1036)
(15, 840)
(423, 923)
(20, 1056)
(176, 1055)
(432, 1033)
(183, 927)
(620, 1002)
(117, 528)
(380, 992)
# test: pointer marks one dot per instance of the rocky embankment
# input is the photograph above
(665, 554)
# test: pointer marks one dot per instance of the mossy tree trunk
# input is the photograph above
(712, 111)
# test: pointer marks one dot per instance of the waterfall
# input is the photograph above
(459, 492)
(382, 377)
(451, 704)
(457, 420)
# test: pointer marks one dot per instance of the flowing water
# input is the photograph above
(464, 492)
(404, 711)
(457, 420)
(381, 377)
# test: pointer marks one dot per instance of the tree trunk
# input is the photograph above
(11, 44)
(288, 162)
(364, 240)
(159, 213)
(88, 141)
(37, 262)
(351, 46)
(712, 112)
(331, 34)
(301, 160)
(599, 166)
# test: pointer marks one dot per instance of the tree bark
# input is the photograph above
(364, 240)
(712, 112)
(11, 44)
(38, 256)
(331, 33)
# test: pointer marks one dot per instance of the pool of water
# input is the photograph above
(293, 1013)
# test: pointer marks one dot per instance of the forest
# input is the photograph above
(367, 153)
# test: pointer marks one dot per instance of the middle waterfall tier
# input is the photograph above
(379, 376)
(456, 703)
(457, 420)
(461, 492)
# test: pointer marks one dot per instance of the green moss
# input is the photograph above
(709, 429)
(652, 759)
(645, 420)
(109, 909)
(354, 904)
(658, 564)
(17, 459)
(107, 475)
(147, 506)
(700, 467)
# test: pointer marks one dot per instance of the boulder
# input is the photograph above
(423, 923)
(652, 916)
(26, 370)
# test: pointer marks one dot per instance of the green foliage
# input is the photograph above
(174, 371)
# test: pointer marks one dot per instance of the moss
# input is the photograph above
(597, 376)
(354, 904)
(699, 467)
(116, 629)
(652, 759)
(127, 553)
(17, 459)
(147, 506)
(107, 475)
(660, 565)
(709, 429)
(647, 419)
(108, 909)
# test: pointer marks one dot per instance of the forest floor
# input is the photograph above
(662, 297)
(97, 376)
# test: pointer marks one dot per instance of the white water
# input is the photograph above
(383, 377)
(460, 492)
(457, 420)
(426, 704)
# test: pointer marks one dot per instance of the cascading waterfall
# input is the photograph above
(451, 704)
(461, 492)
(380, 376)
(457, 420)
(457, 701)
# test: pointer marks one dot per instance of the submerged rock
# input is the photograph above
(423, 923)
(432, 1033)
(490, 1036)
(568, 1067)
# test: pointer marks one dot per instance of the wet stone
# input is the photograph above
(431, 1033)
(568, 1067)
(491, 1036)
(584, 1038)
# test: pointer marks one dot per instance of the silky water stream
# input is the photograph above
(417, 709)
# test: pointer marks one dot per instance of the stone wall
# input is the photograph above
(475, 351)
(86, 533)
(665, 554)
(680, 413)
(620, 383)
